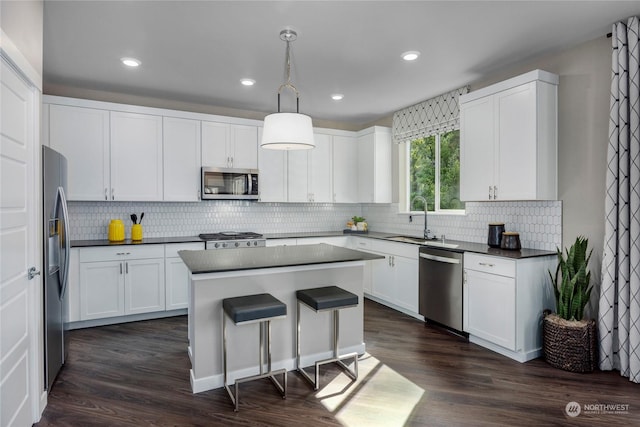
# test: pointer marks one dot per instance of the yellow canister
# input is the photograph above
(116, 230)
(136, 232)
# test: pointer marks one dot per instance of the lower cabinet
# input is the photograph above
(503, 303)
(392, 281)
(117, 281)
(177, 275)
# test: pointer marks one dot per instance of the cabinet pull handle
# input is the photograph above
(120, 268)
(113, 194)
(393, 261)
(126, 265)
(487, 264)
(489, 192)
(106, 193)
(464, 277)
(495, 192)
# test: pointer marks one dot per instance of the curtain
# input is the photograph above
(619, 299)
(430, 117)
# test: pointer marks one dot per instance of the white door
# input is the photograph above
(18, 248)
(345, 174)
(181, 151)
(320, 168)
(297, 171)
(244, 150)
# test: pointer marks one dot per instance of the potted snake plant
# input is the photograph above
(569, 340)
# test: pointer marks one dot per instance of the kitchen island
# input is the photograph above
(280, 271)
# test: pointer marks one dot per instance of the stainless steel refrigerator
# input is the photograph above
(56, 248)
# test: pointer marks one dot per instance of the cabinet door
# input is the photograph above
(491, 307)
(477, 149)
(516, 159)
(406, 277)
(136, 157)
(320, 166)
(243, 149)
(82, 136)
(297, 176)
(215, 145)
(73, 287)
(101, 289)
(273, 175)
(177, 284)
(144, 285)
(181, 144)
(383, 280)
(366, 168)
(345, 170)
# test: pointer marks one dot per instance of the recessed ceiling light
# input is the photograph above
(247, 82)
(130, 62)
(411, 55)
(337, 96)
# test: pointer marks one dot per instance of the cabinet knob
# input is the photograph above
(495, 192)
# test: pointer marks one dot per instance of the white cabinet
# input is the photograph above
(345, 169)
(508, 140)
(503, 303)
(177, 275)
(121, 280)
(73, 286)
(341, 241)
(226, 145)
(181, 146)
(394, 279)
(82, 136)
(309, 172)
(136, 156)
(374, 165)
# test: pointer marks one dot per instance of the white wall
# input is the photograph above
(22, 21)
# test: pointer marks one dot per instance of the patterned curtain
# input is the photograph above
(430, 117)
(619, 305)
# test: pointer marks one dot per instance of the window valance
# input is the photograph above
(430, 117)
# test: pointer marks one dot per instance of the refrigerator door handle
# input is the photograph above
(65, 239)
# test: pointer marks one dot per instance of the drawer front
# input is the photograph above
(115, 253)
(171, 250)
(490, 264)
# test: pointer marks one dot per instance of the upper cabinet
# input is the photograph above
(374, 165)
(309, 172)
(181, 146)
(345, 169)
(508, 140)
(227, 145)
(136, 153)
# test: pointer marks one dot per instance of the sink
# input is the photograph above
(422, 241)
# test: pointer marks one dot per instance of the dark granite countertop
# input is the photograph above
(203, 261)
(145, 241)
(479, 248)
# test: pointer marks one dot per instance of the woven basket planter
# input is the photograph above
(569, 345)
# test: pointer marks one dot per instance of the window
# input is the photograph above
(433, 169)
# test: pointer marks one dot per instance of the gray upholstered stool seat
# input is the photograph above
(323, 299)
(261, 308)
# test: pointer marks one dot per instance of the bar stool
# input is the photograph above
(324, 299)
(249, 309)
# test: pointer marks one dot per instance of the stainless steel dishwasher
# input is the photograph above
(441, 287)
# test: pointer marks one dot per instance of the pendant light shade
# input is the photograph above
(288, 131)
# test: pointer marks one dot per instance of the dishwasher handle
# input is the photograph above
(440, 258)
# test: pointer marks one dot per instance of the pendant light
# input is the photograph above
(288, 131)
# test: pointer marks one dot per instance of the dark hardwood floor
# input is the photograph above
(137, 374)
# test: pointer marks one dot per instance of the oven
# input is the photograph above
(233, 240)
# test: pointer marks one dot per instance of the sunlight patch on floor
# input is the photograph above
(380, 396)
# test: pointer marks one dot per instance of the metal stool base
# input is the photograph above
(265, 335)
(337, 359)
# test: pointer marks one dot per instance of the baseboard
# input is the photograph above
(125, 319)
(395, 307)
(199, 385)
(518, 356)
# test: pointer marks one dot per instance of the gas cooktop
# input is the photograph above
(230, 235)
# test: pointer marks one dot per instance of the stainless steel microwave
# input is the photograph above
(223, 183)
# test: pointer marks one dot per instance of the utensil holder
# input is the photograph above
(136, 232)
(495, 234)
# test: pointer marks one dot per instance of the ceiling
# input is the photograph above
(197, 51)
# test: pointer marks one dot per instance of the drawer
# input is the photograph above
(116, 253)
(171, 250)
(331, 240)
(490, 264)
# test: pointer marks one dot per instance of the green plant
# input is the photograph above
(357, 219)
(571, 281)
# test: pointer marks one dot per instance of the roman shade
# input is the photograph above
(430, 117)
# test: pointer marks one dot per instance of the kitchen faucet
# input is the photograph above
(426, 229)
